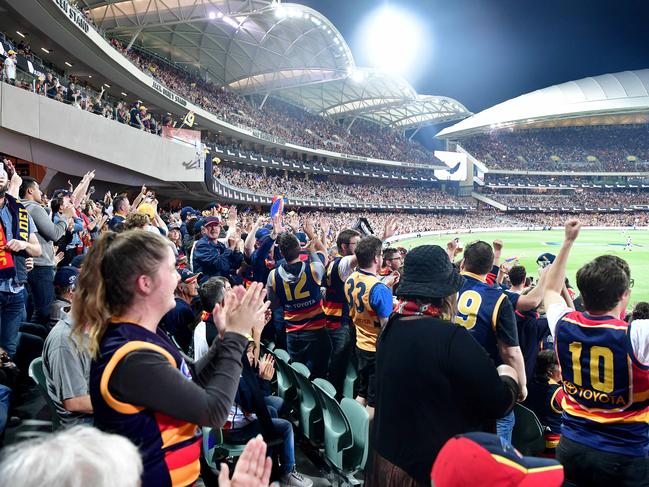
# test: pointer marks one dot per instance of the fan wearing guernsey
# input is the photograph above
(295, 287)
(370, 306)
(486, 312)
(604, 365)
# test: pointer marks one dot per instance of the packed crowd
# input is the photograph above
(278, 118)
(319, 187)
(630, 220)
(110, 298)
(565, 180)
(601, 148)
(577, 199)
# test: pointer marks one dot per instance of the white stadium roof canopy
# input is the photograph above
(265, 47)
(608, 94)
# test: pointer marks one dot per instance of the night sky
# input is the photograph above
(484, 52)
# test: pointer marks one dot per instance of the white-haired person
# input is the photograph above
(84, 456)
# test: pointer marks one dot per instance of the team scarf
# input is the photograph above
(20, 231)
(412, 308)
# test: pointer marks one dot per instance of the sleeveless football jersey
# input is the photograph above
(358, 288)
(606, 402)
(478, 305)
(301, 298)
(170, 447)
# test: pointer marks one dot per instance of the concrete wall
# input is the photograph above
(67, 139)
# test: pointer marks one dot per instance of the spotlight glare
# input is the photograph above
(211, 15)
(393, 40)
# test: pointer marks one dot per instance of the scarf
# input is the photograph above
(412, 308)
(20, 231)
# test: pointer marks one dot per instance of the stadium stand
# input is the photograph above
(104, 294)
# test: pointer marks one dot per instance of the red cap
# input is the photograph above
(486, 459)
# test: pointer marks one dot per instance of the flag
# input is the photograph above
(277, 206)
(189, 119)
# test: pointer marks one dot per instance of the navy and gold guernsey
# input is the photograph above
(300, 296)
(358, 289)
(606, 402)
(478, 306)
(335, 304)
(170, 448)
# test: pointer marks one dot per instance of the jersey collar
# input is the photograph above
(474, 276)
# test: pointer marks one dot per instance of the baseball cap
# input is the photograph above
(11, 52)
(60, 193)
(211, 220)
(263, 232)
(545, 259)
(187, 211)
(66, 276)
(487, 459)
(174, 226)
(301, 236)
(188, 276)
(146, 209)
(77, 261)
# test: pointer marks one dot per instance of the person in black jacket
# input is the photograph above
(434, 380)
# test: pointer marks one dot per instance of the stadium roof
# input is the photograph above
(376, 96)
(608, 94)
(261, 46)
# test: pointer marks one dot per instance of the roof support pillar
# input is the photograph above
(130, 44)
(263, 102)
(414, 133)
(349, 127)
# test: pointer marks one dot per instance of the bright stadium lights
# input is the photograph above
(212, 15)
(45, 50)
(393, 40)
(68, 64)
(20, 34)
(124, 94)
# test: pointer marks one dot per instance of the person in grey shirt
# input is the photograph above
(41, 278)
(66, 366)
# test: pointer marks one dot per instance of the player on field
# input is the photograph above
(604, 365)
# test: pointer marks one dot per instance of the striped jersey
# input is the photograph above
(606, 402)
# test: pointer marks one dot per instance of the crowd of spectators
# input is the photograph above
(563, 180)
(319, 187)
(599, 148)
(579, 198)
(279, 118)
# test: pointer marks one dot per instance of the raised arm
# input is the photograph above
(556, 276)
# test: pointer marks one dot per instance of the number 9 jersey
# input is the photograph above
(606, 405)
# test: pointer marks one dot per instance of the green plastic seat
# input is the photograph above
(286, 381)
(225, 449)
(337, 430)
(350, 379)
(309, 406)
(354, 458)
(38, 376)
(527, 436)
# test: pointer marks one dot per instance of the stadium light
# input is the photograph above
(393, 40)
(211, 15)
(20, 34)
(68, 64)
(45, 50)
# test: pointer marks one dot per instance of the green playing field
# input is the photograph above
(527, 246)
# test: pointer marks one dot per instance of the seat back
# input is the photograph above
(359, 420)
(38, 376)
(310, 409)
(286, 381)
(337, 430)
(527, 436)
(350, 378)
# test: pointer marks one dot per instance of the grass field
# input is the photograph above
(527, 246)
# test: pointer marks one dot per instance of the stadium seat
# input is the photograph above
(213, 447)
(350, 379)
(37, 375)
(310, 411)
(286, 381)
(354, 458)
(528, 432)
(337, 430)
